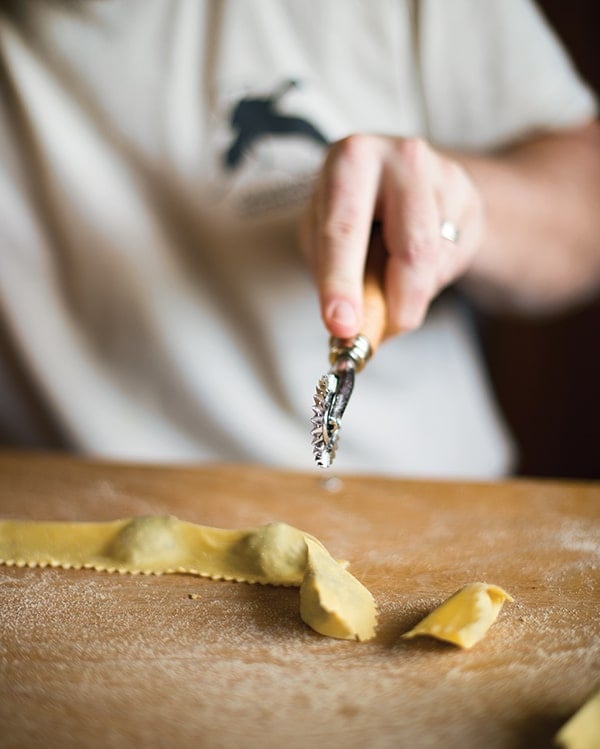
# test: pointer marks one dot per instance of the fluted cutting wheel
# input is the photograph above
(325, 428)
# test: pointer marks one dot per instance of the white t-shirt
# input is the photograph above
(156, 157)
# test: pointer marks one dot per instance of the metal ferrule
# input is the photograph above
(355, 351)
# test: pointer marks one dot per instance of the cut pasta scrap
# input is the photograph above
(465, 617)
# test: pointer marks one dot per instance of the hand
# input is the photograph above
(410, 189)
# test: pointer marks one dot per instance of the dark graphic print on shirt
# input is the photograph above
(256, 118)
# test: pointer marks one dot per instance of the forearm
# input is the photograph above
(541, 244)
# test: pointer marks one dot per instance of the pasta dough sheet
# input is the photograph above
(332, 601)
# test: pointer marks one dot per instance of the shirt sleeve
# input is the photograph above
(494, 71)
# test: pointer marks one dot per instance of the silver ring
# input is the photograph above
(449, 231)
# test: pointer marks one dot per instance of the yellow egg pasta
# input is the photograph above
(333, 602)
(465, 617)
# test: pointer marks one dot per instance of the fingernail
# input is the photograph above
(343, 313)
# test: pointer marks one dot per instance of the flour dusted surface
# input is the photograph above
(90, 660)
(239, 655)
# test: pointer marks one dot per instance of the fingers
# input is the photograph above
(462, 205)
(410, 232)
(410, 189)
(338, 231)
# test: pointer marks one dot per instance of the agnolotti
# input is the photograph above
(332, 601)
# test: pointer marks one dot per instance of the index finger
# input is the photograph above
(346, 200)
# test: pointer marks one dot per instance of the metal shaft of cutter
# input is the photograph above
(344, 369)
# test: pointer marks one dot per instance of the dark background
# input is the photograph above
(547, 372)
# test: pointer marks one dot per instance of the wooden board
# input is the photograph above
(92, 659)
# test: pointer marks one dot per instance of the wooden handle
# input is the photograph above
(374, 305)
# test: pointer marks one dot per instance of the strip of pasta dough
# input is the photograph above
(465, 617)
(276, 554)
